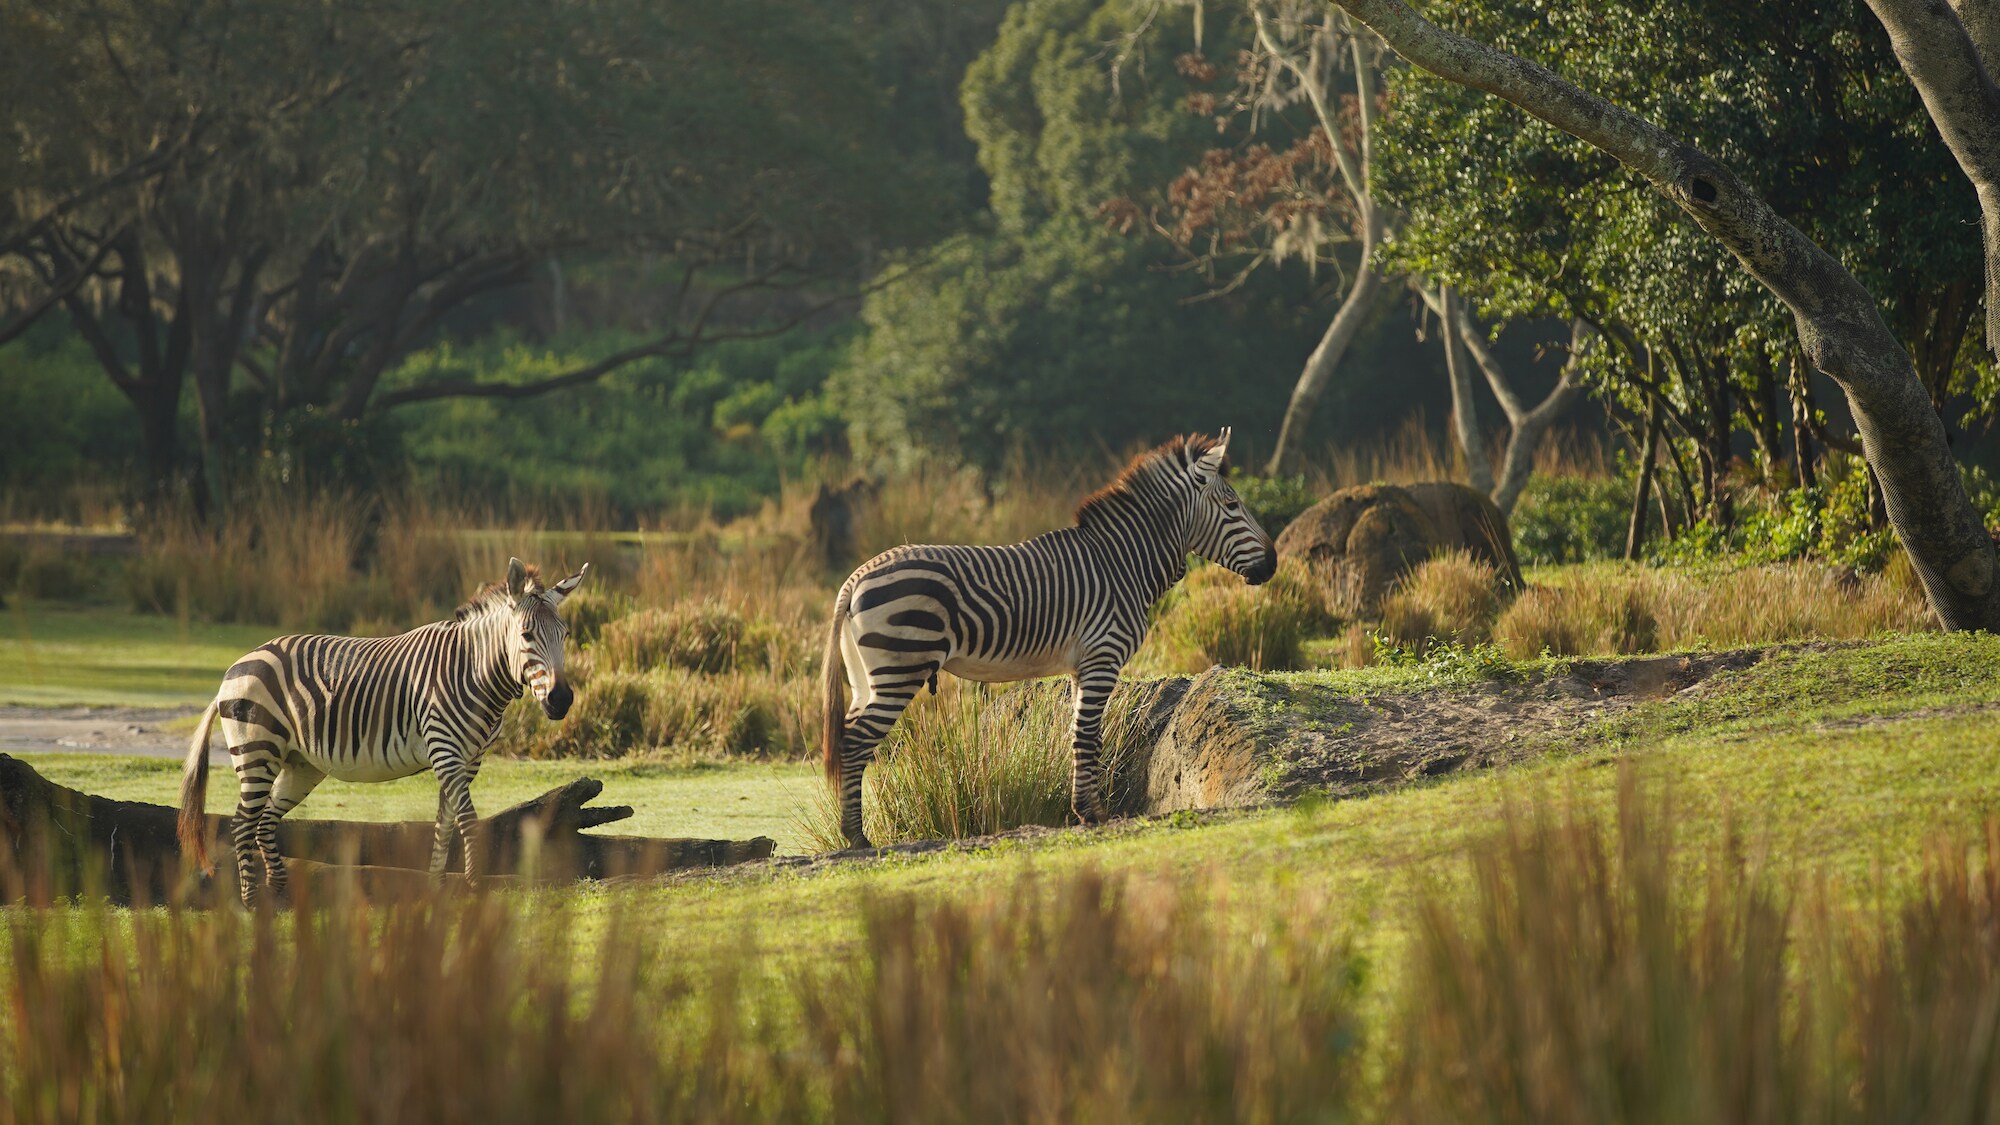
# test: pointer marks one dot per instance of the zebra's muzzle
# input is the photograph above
(1262, 572)
(556, 705)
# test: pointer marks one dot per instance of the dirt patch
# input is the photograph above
(1233, 739)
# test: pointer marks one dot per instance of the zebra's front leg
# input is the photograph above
(1094, 683)
(454, 801)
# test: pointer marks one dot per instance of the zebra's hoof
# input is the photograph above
(1086, 817)
(858, 842)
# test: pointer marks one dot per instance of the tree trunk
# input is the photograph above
(1464, 410)
(1635, 528)
(1839, 323)
(1525, 426)
(1354, 310)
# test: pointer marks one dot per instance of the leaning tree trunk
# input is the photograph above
(1464, 409)
(1839, 324)
(1361, 296)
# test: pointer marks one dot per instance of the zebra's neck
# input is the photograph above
(483, 638)
(1144, 538)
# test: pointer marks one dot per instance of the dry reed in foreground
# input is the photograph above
(1597, 975)
(1088, 998)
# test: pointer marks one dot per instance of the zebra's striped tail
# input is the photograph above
(833, 694)
(193, 824)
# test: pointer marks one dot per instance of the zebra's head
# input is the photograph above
(1220, 528)
(537, 646)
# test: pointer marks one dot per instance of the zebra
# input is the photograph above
(1073, 600)
(302, 708)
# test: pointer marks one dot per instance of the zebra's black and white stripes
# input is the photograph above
(303, 708)
(1073, 600)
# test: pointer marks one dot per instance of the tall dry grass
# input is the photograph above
(1612, 610)
(1599, 974)
(974, 760)
(1214, 617)
(1085, 998)
(1451, 597)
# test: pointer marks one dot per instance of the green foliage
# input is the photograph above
(1275, 501)
(1830, 523)
(698, 636)
(61, 420)
(1049, 333)
(719, 431)
(1569, 519)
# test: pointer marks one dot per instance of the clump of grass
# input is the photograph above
(1590, 619)
(1085, 998)
(1214, 617)
(1611, 610)
(276, 559)
(1452, 597)
(701, 636)
(972, 761)
(669, 713)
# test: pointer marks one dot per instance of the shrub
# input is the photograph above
(1214, 617)
(590, 609)
(1275, 501)
(1452, 597)
(669, 713)
(1567, 519)
(970, 762)
(703, 636)
(46, 570)
(1586, 619)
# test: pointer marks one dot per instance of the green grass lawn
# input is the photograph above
(1838, 764)
(59, 654)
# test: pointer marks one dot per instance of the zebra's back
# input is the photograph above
(351, 706)
(996, 612)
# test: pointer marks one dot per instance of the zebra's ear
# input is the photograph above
(517, 578)
(567, 586)
(1209, 465)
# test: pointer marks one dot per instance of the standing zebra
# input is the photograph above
(1073, 600)
(301, 708)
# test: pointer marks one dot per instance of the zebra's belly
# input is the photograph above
(996, 670)
(399, 757)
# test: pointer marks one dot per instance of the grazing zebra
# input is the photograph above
(300, 709)
(1073, 600)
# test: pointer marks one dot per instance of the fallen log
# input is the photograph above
(56, 840)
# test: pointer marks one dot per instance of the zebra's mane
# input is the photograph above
(1175, 452)
(495, 594)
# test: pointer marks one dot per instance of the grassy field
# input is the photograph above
(60, 654)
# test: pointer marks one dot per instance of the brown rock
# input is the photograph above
(1360, 540)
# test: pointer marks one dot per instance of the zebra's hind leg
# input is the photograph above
(255, 767)
(889, 693)
(1094, 682)
(297, 779)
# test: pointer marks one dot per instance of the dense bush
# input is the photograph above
(1275, 501)
(1568, 519)
(671, 714)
